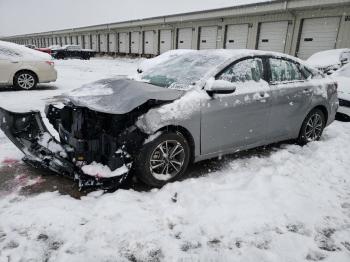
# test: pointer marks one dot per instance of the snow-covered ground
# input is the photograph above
(289, 203)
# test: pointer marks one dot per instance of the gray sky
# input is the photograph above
(29, 16)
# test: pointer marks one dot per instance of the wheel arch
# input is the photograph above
(324, 110)
(187, 134)
(25, 70)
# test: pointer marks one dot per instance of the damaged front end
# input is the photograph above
(86, 137)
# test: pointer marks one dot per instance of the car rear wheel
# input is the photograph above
(312, 127)
(163, 160)
(25, 80)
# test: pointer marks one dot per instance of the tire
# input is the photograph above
(25, 80)
(170, 168)
(312, 127)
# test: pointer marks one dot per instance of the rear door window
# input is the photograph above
(6, 53)
(284, 71)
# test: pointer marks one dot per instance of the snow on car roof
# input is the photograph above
(326, 58)
(228, 54)
(22, 53)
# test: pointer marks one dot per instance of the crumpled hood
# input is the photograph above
(119, 95)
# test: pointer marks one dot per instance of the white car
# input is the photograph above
(330, 60)
(23, 67)
(342, 76)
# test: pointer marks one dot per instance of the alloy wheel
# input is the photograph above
(25, 81)
(314, 127)
(167, 160)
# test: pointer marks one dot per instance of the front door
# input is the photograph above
(239, 119)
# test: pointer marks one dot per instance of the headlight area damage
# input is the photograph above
(97, 131)
(87, 138)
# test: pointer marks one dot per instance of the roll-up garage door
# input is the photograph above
(208, 37)
(184, 38)
(112, 42)
(87, 42)
(124, 43)
(94, 42)
(272, 36)
(165, 41)
(236, 36)
(103, 43)
(318, 34)
(135, 42)
(79, 40)
(149, 42)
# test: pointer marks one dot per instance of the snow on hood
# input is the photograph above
(326, 58)
(21, 53)
(119, 95)
(342, 76)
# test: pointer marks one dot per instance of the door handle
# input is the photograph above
(14, 62)
(262, 96)
(307, 91)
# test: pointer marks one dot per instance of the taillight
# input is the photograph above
(51, 63)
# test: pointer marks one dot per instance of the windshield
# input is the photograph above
(184, 70)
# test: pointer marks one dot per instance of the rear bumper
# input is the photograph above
(48, 76)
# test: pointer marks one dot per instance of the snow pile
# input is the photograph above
(21, 53)
(101, 171)
(287, 204)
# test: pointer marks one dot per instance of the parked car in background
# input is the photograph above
(72, 51)
(23, 67)
(195, 106)
(52, 47)
(342, 76)
(330, 60)
(42, 49)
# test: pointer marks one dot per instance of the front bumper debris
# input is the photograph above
(29, 133)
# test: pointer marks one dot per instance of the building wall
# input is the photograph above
(211, 18)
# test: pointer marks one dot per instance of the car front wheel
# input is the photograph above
(312, 127)
(163, 160)
(25, 80)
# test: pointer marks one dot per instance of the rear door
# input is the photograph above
(9, 64)
(241, 118)
(292, 89)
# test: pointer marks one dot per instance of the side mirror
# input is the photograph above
(219, 87)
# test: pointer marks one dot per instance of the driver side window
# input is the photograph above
(246, 70)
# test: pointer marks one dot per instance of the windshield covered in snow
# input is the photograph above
(184, 70)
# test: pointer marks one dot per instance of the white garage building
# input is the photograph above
(296, 27)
